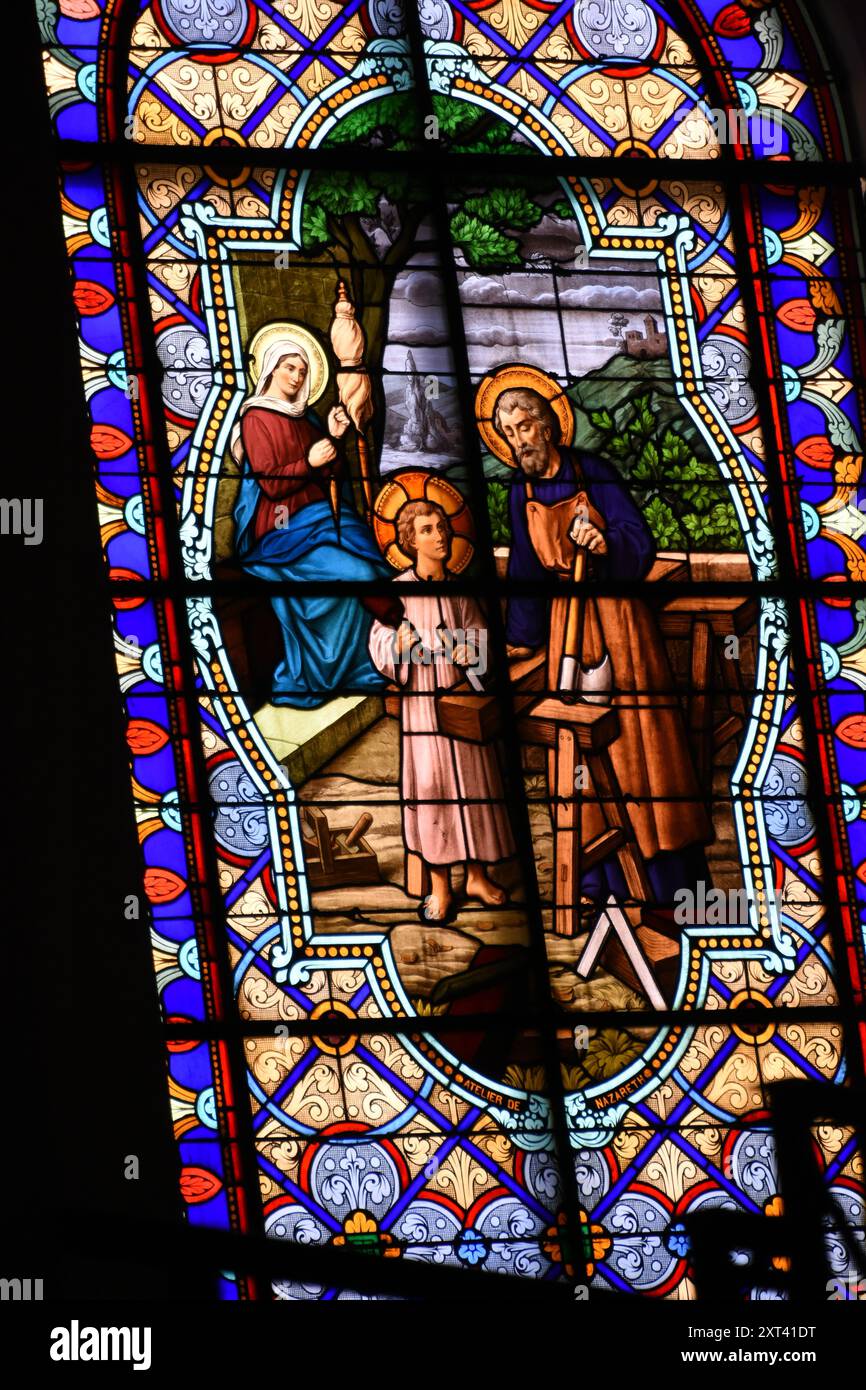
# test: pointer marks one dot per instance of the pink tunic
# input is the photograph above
(453, 802)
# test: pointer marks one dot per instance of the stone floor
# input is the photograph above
(365, 777)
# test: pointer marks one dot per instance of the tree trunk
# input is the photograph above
(370, 281)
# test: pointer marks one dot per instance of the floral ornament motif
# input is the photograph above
(616, 28)
(205, 21)
(240, 819)
(203, 628)
(774, 627)
(190, 1108)
(62, 66)
(789, 819)
(429, 1232)
(437, 19)
(356, 1177)
(726, 366)
(531, 1127)
(472, 1249)
(558, 1247)
(751, 1163)
(387, 18)
(677, 1240)
(592, 1176)
(541, 1176)
(594, 1128)
(765, 92)
(198, 1184)
(187, 372)
(610, 1052)
(361, 1232)
(174, 960)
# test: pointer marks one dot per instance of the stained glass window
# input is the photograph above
(476, 396)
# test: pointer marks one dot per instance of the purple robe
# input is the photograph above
(630, 544)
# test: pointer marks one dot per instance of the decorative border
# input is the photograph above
(215, 1194)
(596, 1111)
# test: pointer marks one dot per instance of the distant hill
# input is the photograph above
(610, 387)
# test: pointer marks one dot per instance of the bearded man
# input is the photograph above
(651, 755)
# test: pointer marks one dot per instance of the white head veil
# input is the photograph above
(278, 349)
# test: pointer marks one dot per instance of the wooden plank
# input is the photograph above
(477, 718)
(724, 614)
(672, 568)
(613, 923)
(608, 791)
(528, 672)
(602, 846)
(700, 699)
(726, 730)
(662, 955)
(417, 875)
(564, 837)
(593, 726)
(349, 870)
(318, 822)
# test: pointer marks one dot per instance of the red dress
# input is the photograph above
(277, 446)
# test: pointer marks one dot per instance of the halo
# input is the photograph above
(315, 352)
(519, 376)
(413, 485)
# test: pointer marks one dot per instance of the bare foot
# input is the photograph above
(436, 907)
(437, 904)
(478, 885)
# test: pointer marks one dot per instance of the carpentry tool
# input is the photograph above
(338, 858)
(576, 682)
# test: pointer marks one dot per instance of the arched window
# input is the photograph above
(476, 398)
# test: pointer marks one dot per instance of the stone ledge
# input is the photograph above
(303, 740)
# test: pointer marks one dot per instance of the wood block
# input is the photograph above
(724, 732)
(477, 718)
(672, 567)
(593, 726)
(661, 951)
(527, 673)
(346, 870)
(724, 613)
(417, 875)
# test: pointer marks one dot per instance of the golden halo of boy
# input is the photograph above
(415, 485)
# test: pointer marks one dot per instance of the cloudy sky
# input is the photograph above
(514, 316)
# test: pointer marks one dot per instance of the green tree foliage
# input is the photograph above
(471, 129)
(486, 225)
(507, 207)
(388, 122)
(336, 199)
(482, 244)
(683, 498)
(497, 505)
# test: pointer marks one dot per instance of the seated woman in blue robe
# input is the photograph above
(287, 531)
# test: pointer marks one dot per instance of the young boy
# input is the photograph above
(453, 802)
